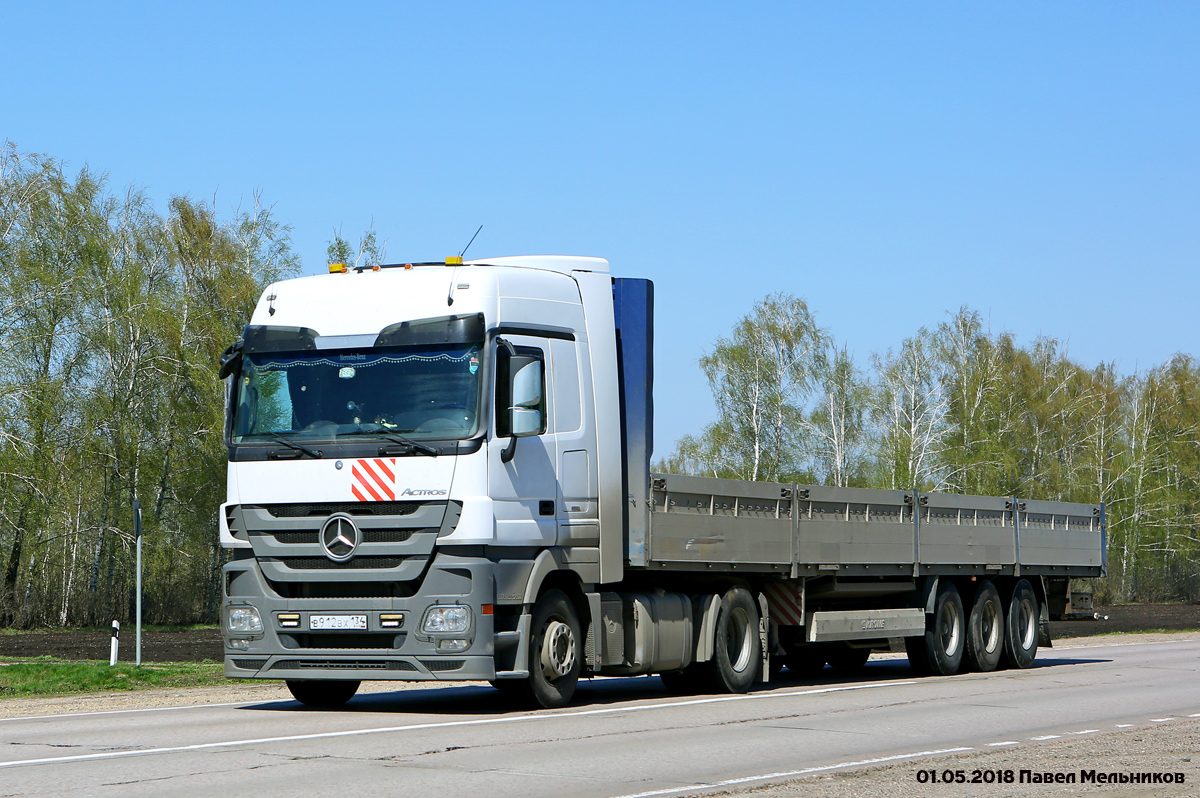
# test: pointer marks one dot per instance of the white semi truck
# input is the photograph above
(441, 471)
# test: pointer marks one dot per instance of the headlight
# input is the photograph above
(447, 619)
(243, 620)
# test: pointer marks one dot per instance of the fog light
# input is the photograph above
(239, 645)
(447, 619)
(453, 646)
(243, 620)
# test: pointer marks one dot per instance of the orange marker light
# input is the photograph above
(485, 609)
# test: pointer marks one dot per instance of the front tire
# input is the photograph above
(322, 694)
(555, 651)
(1021, 631)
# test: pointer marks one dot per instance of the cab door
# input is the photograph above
(522, 474)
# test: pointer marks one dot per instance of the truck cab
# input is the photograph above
(414, 450)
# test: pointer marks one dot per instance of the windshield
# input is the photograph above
(422, 392)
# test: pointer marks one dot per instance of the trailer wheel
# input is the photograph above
(555, 653)
(737, 649)
(1021, 631)
(940, 651)
(985, 629)
(846, 660)
(321, 694)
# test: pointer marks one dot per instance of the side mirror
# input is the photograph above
(521, 397)
(231, 360)
(525, 417)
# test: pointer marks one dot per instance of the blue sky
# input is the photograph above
(889, 163)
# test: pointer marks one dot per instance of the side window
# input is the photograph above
(520, 390)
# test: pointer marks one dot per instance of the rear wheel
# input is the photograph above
(737, 648)
(1021, 630)
(940, 651)
(322, 694)
(985, 629)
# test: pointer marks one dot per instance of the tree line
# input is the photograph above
(113, 316)
(962, 409)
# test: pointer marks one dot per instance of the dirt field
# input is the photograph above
(196, 645)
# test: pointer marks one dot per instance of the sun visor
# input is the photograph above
(261, 338)
(439, 330)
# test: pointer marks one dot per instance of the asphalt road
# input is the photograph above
(625, 737)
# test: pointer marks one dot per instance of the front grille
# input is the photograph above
(443, 664)
(249, 664)
(368, 536)
(340, 590)
(349, 508)
(341, 640)
(343, 664)
(324, 563)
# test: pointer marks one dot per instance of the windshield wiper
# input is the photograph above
(298, 447)
(395, 437)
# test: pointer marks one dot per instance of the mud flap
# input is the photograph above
(764, 638)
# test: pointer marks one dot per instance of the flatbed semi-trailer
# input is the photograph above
(442, 471)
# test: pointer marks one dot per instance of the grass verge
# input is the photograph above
(43, 677)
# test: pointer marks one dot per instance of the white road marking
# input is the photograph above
(793, 773)
(1086, 731)
(1124, 725)
(1160, 720)
(1115, 645)
(144, 709)
(447, 724)
(1046, 737)
(1197, 715)
(1006, 742)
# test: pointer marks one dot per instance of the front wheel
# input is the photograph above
(556, 651)
(322, 694)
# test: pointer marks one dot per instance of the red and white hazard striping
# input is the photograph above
(784, 602)
(374, 480)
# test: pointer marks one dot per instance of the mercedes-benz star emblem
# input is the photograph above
(340, 537)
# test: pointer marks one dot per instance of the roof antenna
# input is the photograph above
(454, 274)
(469, 243)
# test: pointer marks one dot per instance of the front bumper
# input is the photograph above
(399, 653)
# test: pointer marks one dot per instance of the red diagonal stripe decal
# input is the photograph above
(357, 494)
(365, 484)
(383, 466)
(379, 481)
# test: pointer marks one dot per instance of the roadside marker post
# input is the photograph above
(112, 648)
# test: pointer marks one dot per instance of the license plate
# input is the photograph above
(337, 622)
